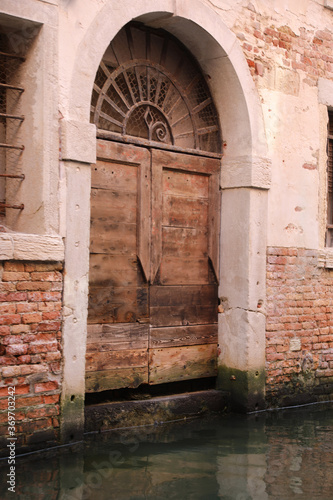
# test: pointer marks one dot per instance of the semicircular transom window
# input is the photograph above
(149, 87)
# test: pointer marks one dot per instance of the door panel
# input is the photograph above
(183, 293)
(153, 267)
(117, 354)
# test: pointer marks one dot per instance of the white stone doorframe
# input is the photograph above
(245, 179)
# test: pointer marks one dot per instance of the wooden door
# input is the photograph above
(184, 267)
(118, 315)
(153, 267)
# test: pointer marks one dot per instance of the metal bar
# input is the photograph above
(13, 56)
(183, 118)
(11, 146)
(16, 207)
(201, 106)
(15, 117)
(11, 87)
(12, 176)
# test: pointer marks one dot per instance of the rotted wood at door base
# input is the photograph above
(153, 267)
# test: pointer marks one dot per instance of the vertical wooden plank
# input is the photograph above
(214, 224)
(156, 225)
(183, 306)
(118, 288)
(144, 217)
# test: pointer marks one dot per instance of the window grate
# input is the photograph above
(329, 232)
(10, 122)
(149, 87)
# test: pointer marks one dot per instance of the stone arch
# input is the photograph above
(245, 179)
(203, 32)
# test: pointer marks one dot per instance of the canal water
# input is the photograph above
(285, 454)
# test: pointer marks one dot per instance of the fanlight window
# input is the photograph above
(149, 87)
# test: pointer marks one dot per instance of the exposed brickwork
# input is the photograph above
(299, 331)
(30, 349)
(267, 43)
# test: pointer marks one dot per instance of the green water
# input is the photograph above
(286, 454)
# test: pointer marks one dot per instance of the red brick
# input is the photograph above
(28, 402)
(44, 296)
(14, 266)
(55, 368)
(247, 47)
(13, 297)
(39, 348)
(271, 32)
(47, 306)
(43, 266)
(30, 427)
(4, 330)
(11, 371)
(35, 368)
(48, 327)
(53, 356)
(10, 319)
(47, 316)
(7, 287)
(258, 34)
(33, 285)
(31, 318)
(46, 386)
(7, 308)
(43, 412)
(17, 329)
(17, 349)
(15, 276)
(51, 399)
(27, 307)
(26, 359)
(46, 276)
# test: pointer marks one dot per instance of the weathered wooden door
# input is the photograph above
(153, 267)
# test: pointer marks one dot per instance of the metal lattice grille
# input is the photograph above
(330, 181)
(149, 87)
(10, 120)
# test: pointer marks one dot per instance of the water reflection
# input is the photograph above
(276, 455)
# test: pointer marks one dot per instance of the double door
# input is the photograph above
(154, 243)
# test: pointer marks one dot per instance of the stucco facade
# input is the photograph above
(269, 68)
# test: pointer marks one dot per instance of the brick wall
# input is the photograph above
(269, 42)
(30, 350)
(299, 340)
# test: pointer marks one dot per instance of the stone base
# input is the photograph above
(120, 414)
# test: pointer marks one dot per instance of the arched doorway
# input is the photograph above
(155, 205)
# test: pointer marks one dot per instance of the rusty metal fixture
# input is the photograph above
(329, 226)
(150, 88)
(12, 146)
(16, 207)
(12, 176)
(11, 119)
(14, 117)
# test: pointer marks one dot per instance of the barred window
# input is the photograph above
(11, 118)
(329, 234)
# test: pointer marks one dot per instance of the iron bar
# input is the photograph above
(11, 87)
(13, 56)
(11, 146)
(12, 176)
(16, 207)
(14, 117)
